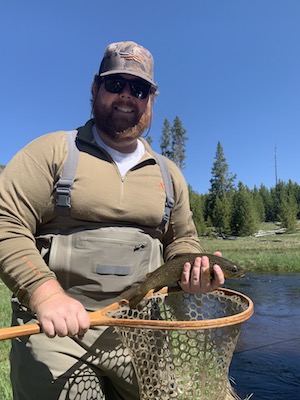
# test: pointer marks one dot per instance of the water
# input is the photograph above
(267, 357)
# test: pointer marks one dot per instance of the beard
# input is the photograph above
(120, 126)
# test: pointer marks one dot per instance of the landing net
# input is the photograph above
(184, 344)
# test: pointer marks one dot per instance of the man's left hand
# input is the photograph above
(196, 278)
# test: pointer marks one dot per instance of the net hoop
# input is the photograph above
(238, 318)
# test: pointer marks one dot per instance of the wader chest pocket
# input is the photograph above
(105, 259)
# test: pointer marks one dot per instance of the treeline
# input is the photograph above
(232, 208)
(240, 211)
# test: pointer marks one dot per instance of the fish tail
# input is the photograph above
(133, 295)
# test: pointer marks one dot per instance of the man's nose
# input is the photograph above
(126, 92)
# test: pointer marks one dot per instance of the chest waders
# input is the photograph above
(95, 265)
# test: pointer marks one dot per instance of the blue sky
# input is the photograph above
(229, 69)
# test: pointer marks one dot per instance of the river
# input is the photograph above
(266, 361)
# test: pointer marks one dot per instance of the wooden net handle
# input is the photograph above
(96, 319)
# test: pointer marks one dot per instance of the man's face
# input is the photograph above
(121, 115)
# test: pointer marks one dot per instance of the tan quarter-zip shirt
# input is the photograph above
(100, 196)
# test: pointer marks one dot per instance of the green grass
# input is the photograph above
(5, 317)
(278, 253)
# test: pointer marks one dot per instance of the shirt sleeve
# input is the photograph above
(26, 198)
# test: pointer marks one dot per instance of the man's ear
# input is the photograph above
(95, 89)
(95, 86)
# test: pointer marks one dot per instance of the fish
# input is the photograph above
(170, 273)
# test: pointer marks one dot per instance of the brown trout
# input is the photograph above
(170, 273)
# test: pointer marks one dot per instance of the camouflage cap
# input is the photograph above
(128, 58)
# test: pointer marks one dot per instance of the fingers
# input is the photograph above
(68, 318)
(57, 313)
(70, 325)
(83, 324)
(196, 278)
(218, 253)
(219, 278)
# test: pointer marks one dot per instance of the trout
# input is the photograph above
(170, 273)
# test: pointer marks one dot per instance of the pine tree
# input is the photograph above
(287, 206)
(222, 184)
(222, 180)
(268, 203)
(278, 195)
(259, 204)
(288, 214)
(222, 214)
(178, 143)
(244, 216)
(293, 189)
(165, 139)
(172, 142)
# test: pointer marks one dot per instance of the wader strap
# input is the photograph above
(168, 188)
(65, 183)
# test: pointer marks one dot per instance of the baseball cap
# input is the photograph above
(128, 58)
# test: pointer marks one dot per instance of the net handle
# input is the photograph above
(98, 318)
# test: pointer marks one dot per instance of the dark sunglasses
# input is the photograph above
(138, 87)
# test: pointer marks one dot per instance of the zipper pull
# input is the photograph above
(139, 246)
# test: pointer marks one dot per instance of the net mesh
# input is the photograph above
(182, 363)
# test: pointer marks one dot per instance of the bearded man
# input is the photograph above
(70, 245)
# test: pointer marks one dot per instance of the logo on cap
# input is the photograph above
(131, 56)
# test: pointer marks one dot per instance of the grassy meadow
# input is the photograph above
(5, 389)
(276, 253)
(272, 253)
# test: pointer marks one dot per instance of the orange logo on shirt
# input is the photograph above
(161, 185)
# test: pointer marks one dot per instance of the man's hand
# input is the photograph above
(196, 278)
(57, 313)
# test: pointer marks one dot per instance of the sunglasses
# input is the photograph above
(138, 87)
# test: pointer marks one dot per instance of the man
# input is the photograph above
(62, 264)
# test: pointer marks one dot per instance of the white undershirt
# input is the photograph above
(124, 161)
